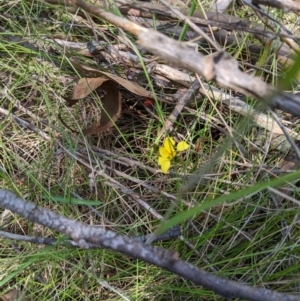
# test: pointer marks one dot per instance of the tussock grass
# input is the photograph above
(250, 240)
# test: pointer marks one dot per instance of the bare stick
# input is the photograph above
(84, 235)
(288, 137)
(186, 98)
(197, 29)
(286, 5)
(171, 233)
(220, 66)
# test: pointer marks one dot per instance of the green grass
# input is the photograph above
(228, 217)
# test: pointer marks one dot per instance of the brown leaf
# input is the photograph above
(85, 86)
(13, 295)
(129, 85)
(111, 102)
(111, 109)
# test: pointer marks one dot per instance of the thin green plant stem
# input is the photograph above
(243, 193)
(186, 26)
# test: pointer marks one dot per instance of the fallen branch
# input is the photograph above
(84, 235)
(286, 5)
(229, 22)
(219, 67)
(50, 241)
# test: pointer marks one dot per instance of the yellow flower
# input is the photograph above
(168, 152)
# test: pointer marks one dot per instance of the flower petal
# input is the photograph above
(169, 141)
(161, 160)
(169, 144)
(182, 146)
(164, 164)
(163, 152)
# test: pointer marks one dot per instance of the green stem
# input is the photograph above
(185, 26)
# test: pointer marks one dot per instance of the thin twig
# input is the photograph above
(112, 182)
(197, 29)
(288, 137)
(25, 124)
(286, 5)
(186, 98)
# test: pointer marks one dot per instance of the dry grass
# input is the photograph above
(251, 240)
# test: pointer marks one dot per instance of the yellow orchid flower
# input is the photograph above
(182, 146)
(168, 152)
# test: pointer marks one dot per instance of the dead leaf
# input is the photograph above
(85, 86)
(13, 295)
(111, 109)
(129, 85)
(111, 102)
